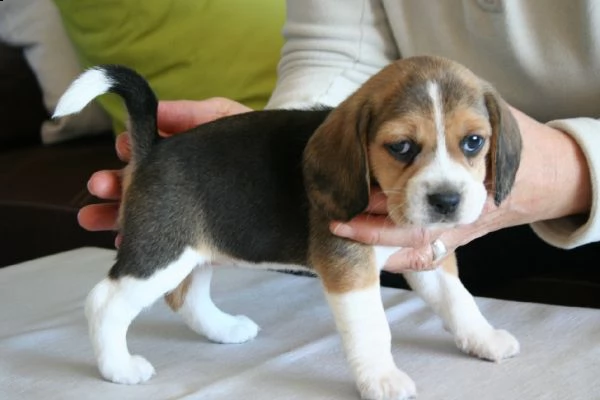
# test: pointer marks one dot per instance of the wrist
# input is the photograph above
(553, 179)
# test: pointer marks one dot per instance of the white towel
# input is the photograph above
(45, 352)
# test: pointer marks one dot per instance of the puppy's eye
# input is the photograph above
(471, 144)
(405, 150)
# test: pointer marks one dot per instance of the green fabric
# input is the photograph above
(187, 49)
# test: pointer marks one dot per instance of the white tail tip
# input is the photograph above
(89, 85)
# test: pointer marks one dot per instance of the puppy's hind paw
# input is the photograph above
(392, 384)
(233, 329)
(493, 345)
(132, 371)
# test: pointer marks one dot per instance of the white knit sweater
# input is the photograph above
(542, 55)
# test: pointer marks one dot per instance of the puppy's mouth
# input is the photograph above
(430, 223)
(442, 224)
(421, 220)
(424, 218)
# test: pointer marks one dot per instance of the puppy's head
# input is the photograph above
(430, 133)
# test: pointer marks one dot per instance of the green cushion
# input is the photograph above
(187, 49)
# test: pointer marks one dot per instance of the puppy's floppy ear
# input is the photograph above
(336, 170)
(505, 149)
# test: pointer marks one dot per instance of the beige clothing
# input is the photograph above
(542, 55)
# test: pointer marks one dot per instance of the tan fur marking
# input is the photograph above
(450, 264)
(342, 275)
(343, 265)
(125, 183)
(176, 297)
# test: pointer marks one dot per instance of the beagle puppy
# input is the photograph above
(260, 188)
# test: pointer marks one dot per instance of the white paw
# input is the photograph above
(392, 384)
(233, 329)
(131, 371)
(492, 344)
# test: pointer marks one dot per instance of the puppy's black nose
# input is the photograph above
(444, 202)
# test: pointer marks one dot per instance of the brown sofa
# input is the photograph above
(43, 187)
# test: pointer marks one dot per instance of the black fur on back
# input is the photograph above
(237, 181)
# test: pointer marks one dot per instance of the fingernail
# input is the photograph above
(343, 230)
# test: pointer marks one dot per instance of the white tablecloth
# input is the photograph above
(45, 352)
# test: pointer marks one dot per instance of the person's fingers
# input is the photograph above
(99, 217)
(105, 184)
(379, 230)
(411, 259)
(181, 115)
(123, 146)
(421, 258)
(118, 240)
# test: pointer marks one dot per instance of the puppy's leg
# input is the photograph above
(114, 303)
(446, 295)
(351, 282)
(191, 299)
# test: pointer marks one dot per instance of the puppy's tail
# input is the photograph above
(139, 99)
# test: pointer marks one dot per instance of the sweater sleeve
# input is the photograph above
(571, 232)
(330, 50)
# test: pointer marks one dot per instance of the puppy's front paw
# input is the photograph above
(493, 344)
(132, 371)
(233, 329)
(392, 384)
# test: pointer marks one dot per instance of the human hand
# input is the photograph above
(417, 252)
(173, 117)
(552, 182)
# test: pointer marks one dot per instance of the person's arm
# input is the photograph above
(330, 50)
